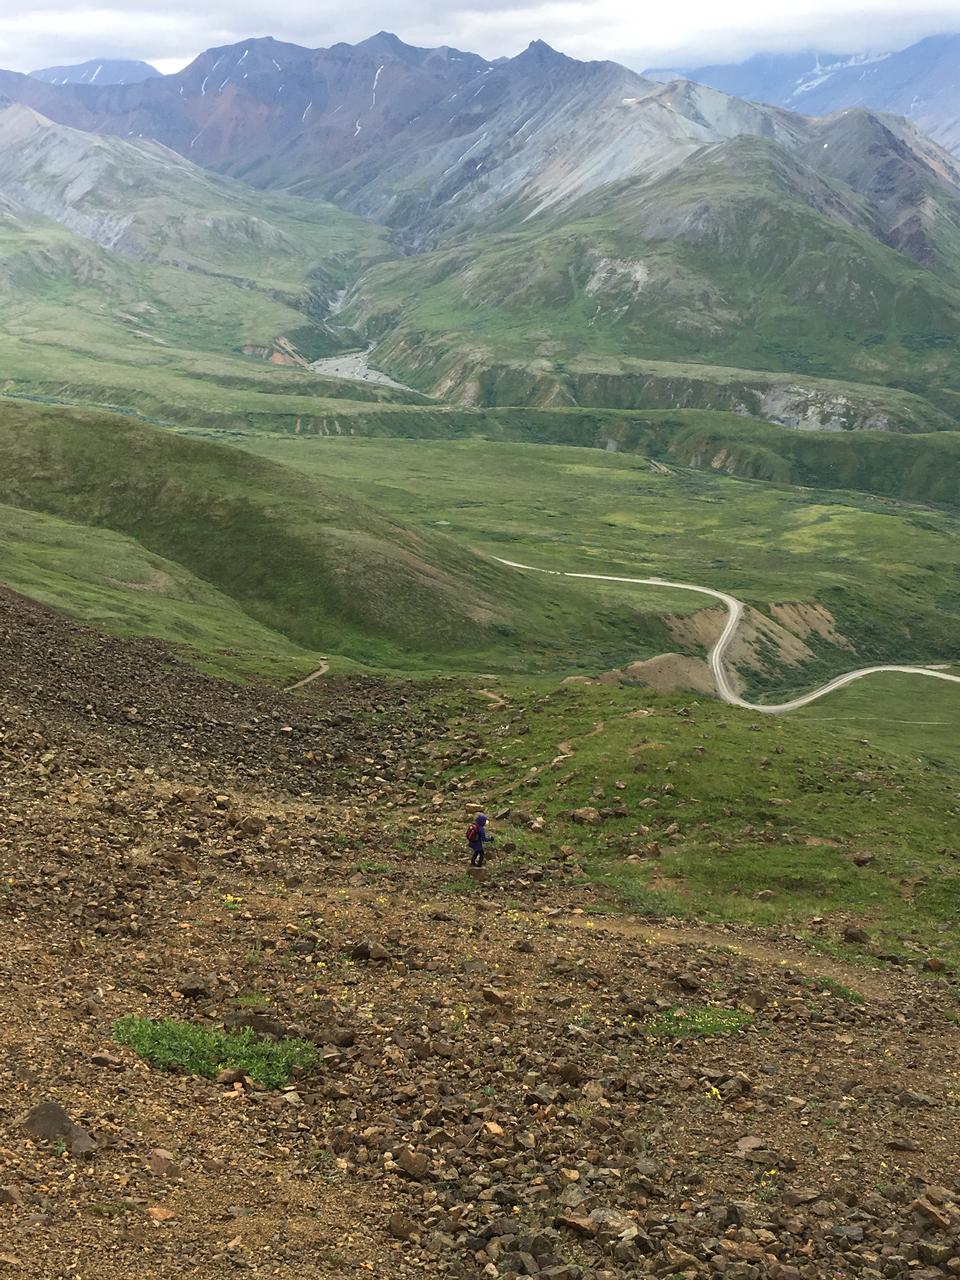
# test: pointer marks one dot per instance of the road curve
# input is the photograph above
(718, 653)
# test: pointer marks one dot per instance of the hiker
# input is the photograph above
(476, 838)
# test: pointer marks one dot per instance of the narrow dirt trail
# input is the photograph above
(322, 670)
(866, 981)
(735, 607)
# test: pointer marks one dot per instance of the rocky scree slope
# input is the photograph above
(497, 1090)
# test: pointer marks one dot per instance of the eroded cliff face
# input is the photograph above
(473, 377)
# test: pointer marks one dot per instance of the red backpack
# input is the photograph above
(473, 833)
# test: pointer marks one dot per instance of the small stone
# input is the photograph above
(194, 987)
(368, 950)
(47, 1122)
(853, 933)
(81, 1142)
(413, 1163)
(586, 817)
(10, 1195)
(933, 1253)
(401, 1227)
(493, 995)
(103, 1058)
(583, 1226)
(162, 1162)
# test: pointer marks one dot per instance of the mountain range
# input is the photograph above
(533, 230)
(920, 82)
(98, 71)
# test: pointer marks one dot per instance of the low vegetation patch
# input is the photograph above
(824, 983)
(698, 1020)
(200, 1051)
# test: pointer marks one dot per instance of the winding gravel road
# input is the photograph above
(718, 653)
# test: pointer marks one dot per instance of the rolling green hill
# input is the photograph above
(887, 571)
(297, 555)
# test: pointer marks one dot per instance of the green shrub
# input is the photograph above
(168, 1044)
(698, 1020)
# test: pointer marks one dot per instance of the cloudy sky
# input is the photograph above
(37, 33)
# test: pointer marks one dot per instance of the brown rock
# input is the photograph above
(103, 1058)
(47, 1122)
(81, 1142)
(195, 987)
(162, 1163)
(575, 1222)
(401, 1227)
(930, 1212)
(413, 1163)
(368, 950)
(586, 817)
(493, 995)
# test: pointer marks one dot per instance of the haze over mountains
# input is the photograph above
(98, 71)
(920, 82)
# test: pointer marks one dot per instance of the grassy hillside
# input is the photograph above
(886, 570)
(740, 259)
(298, 555)
(703, 812)
(113, 582)
(127, 273)
(922, 467)
(906, 716)
(140, 201)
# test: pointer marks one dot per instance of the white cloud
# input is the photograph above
(171, 32)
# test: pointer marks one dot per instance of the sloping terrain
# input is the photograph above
(129, 276)
(112, 581)
(741, 258)
(188, 242)
(885, 570)
(145, 202)
(586, 216)
(297, 555)
(499, 1083)
(919, 82)
(423, 140)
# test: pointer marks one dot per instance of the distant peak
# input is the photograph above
(387, 42)
(98, 71)
(539, 54)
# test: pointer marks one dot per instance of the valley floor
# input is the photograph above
(512, 1077)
